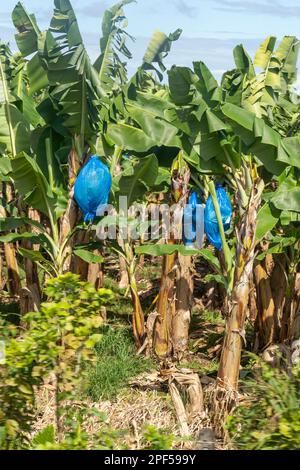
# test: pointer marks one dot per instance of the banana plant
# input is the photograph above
(34, 191)
(137, 125)
(137, 178)
(38, 135)
(77, 100)
(14, 137)
(225, 141)
(270, 94)
(70, 100)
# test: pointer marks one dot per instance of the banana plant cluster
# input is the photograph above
(229, 134)
(57, 108)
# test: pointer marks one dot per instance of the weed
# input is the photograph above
(116, 364)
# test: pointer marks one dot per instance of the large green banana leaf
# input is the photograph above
(143, 177)
(142, 121)
(110, 67)
(27, 39)
(61, 58)
(30, 183)
(263, 93)
(158, 48)
(287, 196)
(14, 128)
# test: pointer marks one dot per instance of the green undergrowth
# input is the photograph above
(202, 367)
(116, 364)
(269, 416)
(120, 310)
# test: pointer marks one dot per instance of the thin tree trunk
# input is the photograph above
(182, 315)
(166, 308)
(31, 296)
(214, 301)
(279, 291)
(294, 331)
(14, 281)
(266, 307)
(78, 266)
(69, 220)
(229, 368)
(139, 331)
(13, 277)
(95, 273)
(169, 323)
(2, 279)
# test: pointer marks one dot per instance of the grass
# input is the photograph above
(116, 364)
(120, 310)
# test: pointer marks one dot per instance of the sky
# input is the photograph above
(211, 28)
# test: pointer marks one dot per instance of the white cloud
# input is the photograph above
(262, 7)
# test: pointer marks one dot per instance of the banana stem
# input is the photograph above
(115, 160)
(138, 314)
(49, 156)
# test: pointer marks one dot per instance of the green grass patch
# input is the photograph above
(120, 309)
(214, 317)
(117, 363)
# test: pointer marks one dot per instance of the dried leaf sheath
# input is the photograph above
(229, 368)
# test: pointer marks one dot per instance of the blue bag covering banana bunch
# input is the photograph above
(210, 217)
(193, 221)
(92, 188)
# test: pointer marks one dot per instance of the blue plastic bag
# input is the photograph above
(210, 217)
(193, 229)
(92, 187)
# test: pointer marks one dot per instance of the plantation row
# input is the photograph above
(232, 146)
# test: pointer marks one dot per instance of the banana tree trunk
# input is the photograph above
(78, 265)
(182, 315)
(70, 217)
(95, 273)
(13, 276)
(229, 368)
(139, 331)
(291, 305)
(170, 334)
(266, 321)
(279, 291)
(31, 297)
(166, 308)
(2, 279)
(294, 331)
(68, 222)
(252, 304)
(14, 281)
